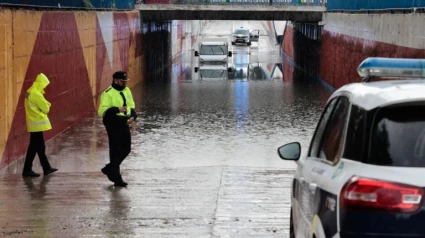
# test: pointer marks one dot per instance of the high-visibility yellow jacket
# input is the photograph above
(36, 106)
(110, 100)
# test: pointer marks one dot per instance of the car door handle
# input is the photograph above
(312, 187)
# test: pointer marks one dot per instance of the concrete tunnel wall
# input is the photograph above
(348, 39)
(78, 51)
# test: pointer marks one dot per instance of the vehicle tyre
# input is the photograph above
(291, 227)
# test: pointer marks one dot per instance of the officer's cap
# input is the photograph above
(120, 75)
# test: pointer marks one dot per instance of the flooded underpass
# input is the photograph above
(204, 157)
(224, 122)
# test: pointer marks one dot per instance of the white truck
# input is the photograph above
(213, 52)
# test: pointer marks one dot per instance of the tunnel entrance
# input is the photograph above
(165, 42)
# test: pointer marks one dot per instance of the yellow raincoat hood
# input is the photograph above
(41, 82)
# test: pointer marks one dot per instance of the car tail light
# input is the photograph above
(380, 195)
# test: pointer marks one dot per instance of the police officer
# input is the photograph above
(36, 110)
(117, 109)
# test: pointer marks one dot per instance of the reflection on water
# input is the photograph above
(241, 103)
(239, 121)
(254, 71)
(233, 113)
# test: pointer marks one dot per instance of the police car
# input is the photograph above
(364, 172)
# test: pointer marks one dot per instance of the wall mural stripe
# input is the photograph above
(70, 48)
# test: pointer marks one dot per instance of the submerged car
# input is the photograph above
(364, 172)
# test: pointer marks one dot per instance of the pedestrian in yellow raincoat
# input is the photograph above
(36, 110)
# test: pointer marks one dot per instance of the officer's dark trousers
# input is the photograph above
(119, 148)
(36, 146)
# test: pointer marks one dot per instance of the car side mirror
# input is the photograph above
(230, 54)
(291, 151)
(196, 69)
(196, 53)
(229, 70)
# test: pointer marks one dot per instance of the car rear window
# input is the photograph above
(398, 137)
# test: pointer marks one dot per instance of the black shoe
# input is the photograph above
(107, 172)
(120, 184)
(30, 174)
(49, 171)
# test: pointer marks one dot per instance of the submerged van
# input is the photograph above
(213, 52)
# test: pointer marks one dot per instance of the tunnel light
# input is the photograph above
(392, 67)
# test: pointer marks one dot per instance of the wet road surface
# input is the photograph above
(203, 160)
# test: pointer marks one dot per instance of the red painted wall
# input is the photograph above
(348, 39)
(288, 44)
(342, 54)
(58, 54)
(288, 72)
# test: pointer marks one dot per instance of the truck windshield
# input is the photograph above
(213, 50)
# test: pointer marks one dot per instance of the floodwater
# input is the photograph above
(238, 120)
(204, 157)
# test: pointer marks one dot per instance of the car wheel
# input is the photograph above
(291, 227)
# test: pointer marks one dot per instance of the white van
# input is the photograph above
(213, 52)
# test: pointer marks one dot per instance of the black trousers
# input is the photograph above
(38, 147)
(119, 147)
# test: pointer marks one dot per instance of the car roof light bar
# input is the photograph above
(391, 67)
